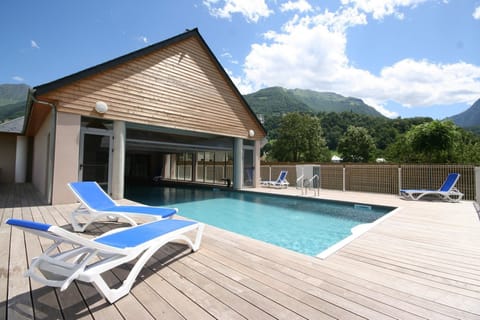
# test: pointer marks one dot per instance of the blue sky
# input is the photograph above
(404, 57)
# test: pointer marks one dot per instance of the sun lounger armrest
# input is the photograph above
(28, 224)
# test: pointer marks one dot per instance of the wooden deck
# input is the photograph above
(423, 262)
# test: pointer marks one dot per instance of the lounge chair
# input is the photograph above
(447, 191)
(280, 182)
(90, 258)
(95, 204)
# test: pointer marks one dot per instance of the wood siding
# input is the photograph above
(178, 86)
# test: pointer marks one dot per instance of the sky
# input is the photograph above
(406, 58)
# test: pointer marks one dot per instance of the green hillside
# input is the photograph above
(12, 111)
(12, 101)
(277, 100)
(470, 118)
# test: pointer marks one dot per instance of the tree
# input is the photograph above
(435, 141)
(356, 145)
(299, 138)
(400, 151)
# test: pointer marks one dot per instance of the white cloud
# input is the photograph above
(380, 108)
(422, 83)
(476, 13)
(34, 44)
(18, 79)
(252, 10)
(310, 53)
(382, 8)
(299, 5)
(243, 85)
(229, 57)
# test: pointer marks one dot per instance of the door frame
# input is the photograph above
(99, 132)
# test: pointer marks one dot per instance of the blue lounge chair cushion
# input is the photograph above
(97, 199)
(133, 237)
(280, 182)
(96, 204)
(449, 182)
(89, 192)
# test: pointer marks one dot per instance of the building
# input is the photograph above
(168, 112)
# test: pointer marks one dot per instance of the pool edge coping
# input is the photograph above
(342, 243)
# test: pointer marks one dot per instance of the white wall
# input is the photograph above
(66, 156)
(40, 156)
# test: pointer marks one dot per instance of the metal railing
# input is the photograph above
(381, 178)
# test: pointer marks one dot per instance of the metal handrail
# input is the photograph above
(316, 191)
(300, 179)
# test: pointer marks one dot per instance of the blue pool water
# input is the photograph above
(308, 226)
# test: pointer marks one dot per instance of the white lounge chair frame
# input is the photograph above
(280, 182)
(90, 258)
(113, 212)
(447, 192)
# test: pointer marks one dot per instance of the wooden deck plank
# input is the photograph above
(422, 262)
(184, 282)
(352, 280)
(252, 280)
(319, 287)
(6, 211)
(245, 301)
(44, 298)
(457, 260)
(71, 301)
(19, 301)
(149, 296)
(176, 298)
(457, 276)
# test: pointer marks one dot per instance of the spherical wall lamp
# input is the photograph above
(251, 133)
(101, 107)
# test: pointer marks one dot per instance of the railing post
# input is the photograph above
(303, 177)
(399, 179)
(344, 171)
(477, 184)
(319, 179)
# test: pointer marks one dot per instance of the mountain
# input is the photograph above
(12, 101)
(469, 118)
(277, 100)
(12, 111)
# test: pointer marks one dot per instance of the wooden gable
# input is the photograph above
(180, 85)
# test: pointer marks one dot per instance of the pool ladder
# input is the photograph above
(307, 184)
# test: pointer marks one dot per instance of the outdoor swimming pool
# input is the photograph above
(308, 226)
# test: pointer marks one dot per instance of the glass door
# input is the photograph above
(248, 166)
(95, 160)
